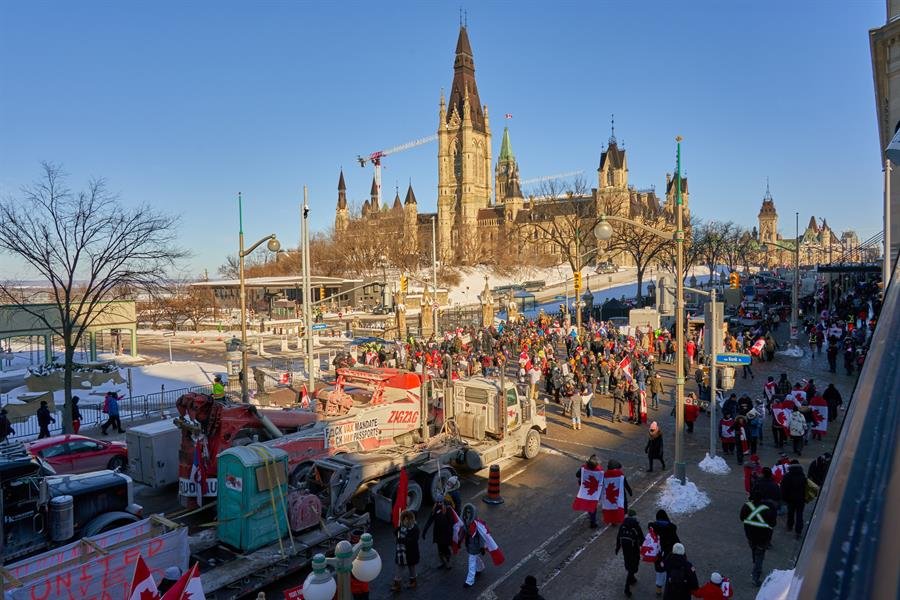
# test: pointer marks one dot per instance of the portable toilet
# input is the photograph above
(252, 484)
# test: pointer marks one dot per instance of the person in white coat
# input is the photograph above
(797, 426)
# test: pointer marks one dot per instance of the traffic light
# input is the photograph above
(404, 284)
(322, 293)
(577, 280)
(734, 280)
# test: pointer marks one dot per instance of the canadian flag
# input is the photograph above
(724, 428)
(625, 365)
(644, 406)
(757, 347)
(143, 587)
(727, 590)
(304, 398)
(799, 396)
(479, 527)
(613, 498)
(778, 472)
(820, 414)
(781, 412)
(589, 491)
(650, 548)
(769, 390)
(189, 587)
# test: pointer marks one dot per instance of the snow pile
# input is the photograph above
(795, 352)
(715, 465)
(776, 586)
(679, 499)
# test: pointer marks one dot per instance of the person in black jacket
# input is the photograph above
(681, 577)
(767, 488)
(668, 537)
(654, 447)
(629, 540)
(76, 415)
(6, 429)
(44, 418)
(833, 398)
(442, 536)
(406, 552)
(759, 519)
(818, 469)
(793, 492)
(529, 590)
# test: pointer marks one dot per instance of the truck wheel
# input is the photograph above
(532, 445)
(437, 482)
(413, 493)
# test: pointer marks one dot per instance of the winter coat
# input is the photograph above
(5, 427)
(76, 412)
(629, 540)
(793, 485)
(759, 536)
(744, 405)
(833, 398)
(818, 470)
(668, 535)
(768, 490)
(442, 535)
(407, 549)
(656, 386)
(681, 577)
(709, 591)
(654, 447)
(797, 424)
(43, 416)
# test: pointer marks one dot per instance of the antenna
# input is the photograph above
(460, 16)
(768, 195)
(612, 136)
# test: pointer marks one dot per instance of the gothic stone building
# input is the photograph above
(481, 211)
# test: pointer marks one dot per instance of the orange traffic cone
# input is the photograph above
(493, 489)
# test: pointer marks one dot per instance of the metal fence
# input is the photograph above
(131, 409)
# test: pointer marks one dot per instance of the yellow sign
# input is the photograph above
(578, 280)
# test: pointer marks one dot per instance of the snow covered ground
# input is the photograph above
(680, 499)
(715, 465)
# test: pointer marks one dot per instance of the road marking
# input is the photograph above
(488, 593)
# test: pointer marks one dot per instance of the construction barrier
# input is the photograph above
(493, 489)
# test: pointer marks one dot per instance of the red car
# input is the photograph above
(79, 454)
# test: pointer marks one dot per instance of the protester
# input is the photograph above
(667, 533)
(833, 398)
(654, 447)
(442, 518)
(476, 537)
(798, 429)
(681, 577)
(44, 419)
(111, 408)
(793, 492)
(818, 469)
(529, 590)
(76, 415)
(691, 412)
(590, 478)
(656, 388)
(6, 429)
(759, 519)
(717, 588)
(406, 550)
(629, 540)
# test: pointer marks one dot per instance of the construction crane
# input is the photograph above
(551, 177)
(375, 158)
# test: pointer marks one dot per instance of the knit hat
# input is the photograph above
(716, 578)
(172, 574)
(654, 426)
(678, 549)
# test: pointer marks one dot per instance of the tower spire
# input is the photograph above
(612, 135)
(768, 195)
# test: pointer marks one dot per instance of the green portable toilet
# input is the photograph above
(252, 480)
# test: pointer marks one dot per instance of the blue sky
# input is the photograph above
(183, 105)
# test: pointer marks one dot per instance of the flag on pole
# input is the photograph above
(189, 587)
(401, 498)
(625, 365)
(143, 587)
(509, 115)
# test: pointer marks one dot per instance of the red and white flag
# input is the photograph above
(613, 498)
(778, 472)
(401, 499)
(820, 414)
(589, 491)
(727, 590)
(799, 396)
(757, 347)
(650, 548)
(725, 429)
(625, 365)
(198, 471)
(782, 414)
(509, 115)
(189, 587)
(457, 535)
(143, 587)
(304, 397)
(643, 405)
(480, 528)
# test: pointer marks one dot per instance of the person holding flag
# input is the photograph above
(143, 586)
(477, 538)
(629, 540)
(590, 477)
(820, 417)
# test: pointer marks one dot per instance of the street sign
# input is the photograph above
(735, 358)
(319, 326)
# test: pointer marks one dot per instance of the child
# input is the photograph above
(406, 553)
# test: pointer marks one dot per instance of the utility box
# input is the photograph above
(153, 453)
(252, 496)
(641, 317)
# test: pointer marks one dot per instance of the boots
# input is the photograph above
(396, 586)
(658, 591)
(412, 583)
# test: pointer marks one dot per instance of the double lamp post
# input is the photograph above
(604, 231)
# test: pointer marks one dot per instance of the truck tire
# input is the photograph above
(107, 521)
(532, 445)
(437, 480)
(413, 492)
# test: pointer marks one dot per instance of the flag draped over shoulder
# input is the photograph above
(612, 500)
(589, 491)
(820, 414)
(479, 527)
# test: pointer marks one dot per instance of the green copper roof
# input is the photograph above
(506, 152)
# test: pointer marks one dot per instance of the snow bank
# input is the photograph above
(776, 586)
(715, 465)
(680, 499)
(795, 352)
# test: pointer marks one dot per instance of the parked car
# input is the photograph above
(381, 309)
(606, 267)
(79, 454)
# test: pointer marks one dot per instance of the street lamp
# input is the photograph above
(273, 245)
(361, 560)
(795, 290)
(383, 262)
(604, 231)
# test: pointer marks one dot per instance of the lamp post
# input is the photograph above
(361, 560)
(604, 231)
(384, 297)
(434, 305)
(307, 296)
(795, 290)
(274, 246)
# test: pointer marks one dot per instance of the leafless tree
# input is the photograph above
(691, 250)
(712, 239)
(644, 247)
(89, 249)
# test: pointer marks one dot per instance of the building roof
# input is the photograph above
(341, 185)
(670, 185)
(410, 195)
(613, 155)
(494, 212)
(768, 208)
(374, 191)
(464, 83)
(342, 192)
(506, 152)
(396, 205)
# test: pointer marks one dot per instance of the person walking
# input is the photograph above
(529, 590)
(759, 518)
(6, 429)
(691, 412)
(406, 551)
(818, 469)
(476, 537)
(667, 532)
(442, 536)
(592, 466)
(44, 419)
(573, 402)
(587, 398)
(111, 408)
(618, 398)
(76, 415)
(629, 540)
(717, 588)
(798, 427)
(654, 447)
(833, 398)
(793, 492)
(656, 388)
(681, 577)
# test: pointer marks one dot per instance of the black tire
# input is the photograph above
(117, 462)
(532, 445)
(437, 481)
